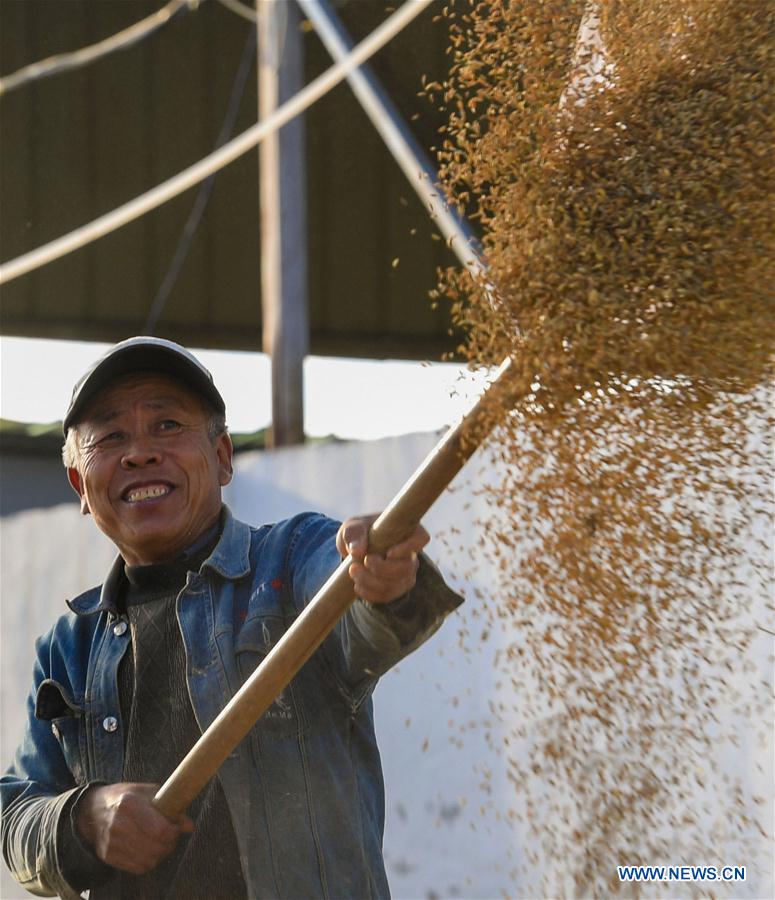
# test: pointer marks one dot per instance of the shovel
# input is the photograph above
(330, 603)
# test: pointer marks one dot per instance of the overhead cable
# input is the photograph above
(64, 62)
(205, 188)
(240, 9)
(397, 137)
(251, 15)
(385, 117)
(220, 158)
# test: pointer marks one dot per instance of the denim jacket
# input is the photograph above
(304, 789)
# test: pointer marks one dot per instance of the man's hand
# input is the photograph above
(124, 830)
(380, 578)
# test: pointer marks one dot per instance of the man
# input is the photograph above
(127, 681)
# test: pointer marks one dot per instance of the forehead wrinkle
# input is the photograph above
(160, 403)
(100, 418)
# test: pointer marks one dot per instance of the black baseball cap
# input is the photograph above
(142, 354)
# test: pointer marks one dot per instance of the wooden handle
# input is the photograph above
(330, 603)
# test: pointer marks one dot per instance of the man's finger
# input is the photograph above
(374, 590)
(378, 589)
(357, 545)
(353, 537)
(412, 544)
(391, 568)
(186, 824)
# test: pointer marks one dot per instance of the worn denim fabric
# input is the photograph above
(304, 789)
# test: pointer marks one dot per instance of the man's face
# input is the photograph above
(148, 471)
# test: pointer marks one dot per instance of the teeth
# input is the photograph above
(146, 493)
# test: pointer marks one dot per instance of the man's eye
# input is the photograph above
(169, 425)
(113, 437)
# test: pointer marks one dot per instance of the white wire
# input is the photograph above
(220, 158)
(418, 171)
(240, 9)
(62, 62)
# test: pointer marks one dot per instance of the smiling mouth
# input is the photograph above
(148, 492)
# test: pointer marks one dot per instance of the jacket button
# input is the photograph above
(55, 729)
(110, 723)
(119, 628)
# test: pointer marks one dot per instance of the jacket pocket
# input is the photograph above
(257, 637)
(55, 704)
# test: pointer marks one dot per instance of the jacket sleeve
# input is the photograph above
(370, 638)
(38, 791)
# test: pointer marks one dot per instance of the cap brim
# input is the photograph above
(142, 358)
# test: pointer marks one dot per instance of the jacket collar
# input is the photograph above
(231, 556)
(230, 559)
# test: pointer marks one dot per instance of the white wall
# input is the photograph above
(46, 556)
(448, 796)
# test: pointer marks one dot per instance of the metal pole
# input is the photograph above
(396, 135)
(282, 192)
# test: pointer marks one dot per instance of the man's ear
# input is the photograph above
(74, 477)
(225, 451)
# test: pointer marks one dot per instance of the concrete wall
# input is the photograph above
(32, 481)
(431, 848)
(448, 831)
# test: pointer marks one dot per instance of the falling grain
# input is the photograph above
(617, 157)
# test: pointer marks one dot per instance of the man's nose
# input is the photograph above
(141, 451)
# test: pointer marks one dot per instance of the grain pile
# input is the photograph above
(617, 156)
